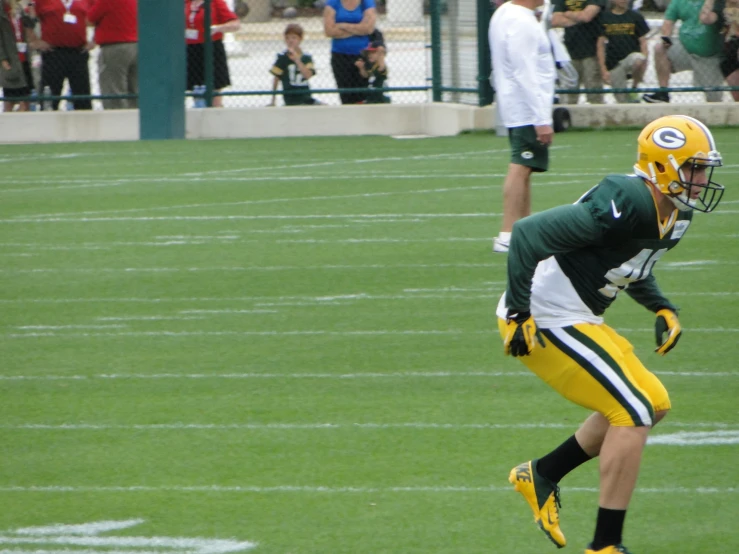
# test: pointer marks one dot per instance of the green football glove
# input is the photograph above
(667, 322)
(521, 334)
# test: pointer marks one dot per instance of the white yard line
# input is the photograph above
(254, 268)
(155, 317)
(390, 267)
(242, 217)
(155, 544)
(697, 438)
(358, 161)
(292, 178)
(312, 489)
(307, 332)
(25, 158)
(676, 266)
(264, 299)
(277, 426)
(264, 179)
(379, 240)
(135, 300)
(78, 529)
(719, 429)
(286, 179)
(228, 312)
(63, 327)
(373, 375)
(331, 376)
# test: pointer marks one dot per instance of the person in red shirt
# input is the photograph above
(116, 31)
(64, 48)
(15, 73)
(223, 20)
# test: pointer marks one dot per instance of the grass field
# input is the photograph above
(293, 343)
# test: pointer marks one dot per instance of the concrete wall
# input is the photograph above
(638, 115)
(381, 119)
(72, 126)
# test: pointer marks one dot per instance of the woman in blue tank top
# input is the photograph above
(348, 23)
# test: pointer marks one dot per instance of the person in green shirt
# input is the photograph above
(293, 68)
(698, 47)
(566, 267)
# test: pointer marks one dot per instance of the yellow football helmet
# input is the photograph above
(670, 150)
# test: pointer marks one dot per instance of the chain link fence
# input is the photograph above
(81, 54)
(397, 58)
(628, 45)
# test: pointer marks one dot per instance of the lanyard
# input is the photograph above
(193, 13)
(17, 29)
(67, 4)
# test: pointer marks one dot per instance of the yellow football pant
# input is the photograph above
(595, 367)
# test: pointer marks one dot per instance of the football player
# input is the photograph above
(566, 266)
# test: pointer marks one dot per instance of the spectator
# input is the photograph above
(730, 58)
(698, 48)
(117, 34)
(349, 23)
(371, 65)
(293, 68)
(223, 20)
(64, 48)
(580, 20)
(622, 47)
(15, 71)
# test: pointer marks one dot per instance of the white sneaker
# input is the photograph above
(500, 246)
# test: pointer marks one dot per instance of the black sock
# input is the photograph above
(608, 528)
(563, 459)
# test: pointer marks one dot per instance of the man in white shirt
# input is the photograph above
(523, 79)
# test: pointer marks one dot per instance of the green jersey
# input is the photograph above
(377, 78)
(568, 264)
(292, 79)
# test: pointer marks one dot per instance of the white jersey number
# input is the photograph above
(296, 77)
(637, 268)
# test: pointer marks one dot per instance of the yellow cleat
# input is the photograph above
(543, 497)
(617, 549)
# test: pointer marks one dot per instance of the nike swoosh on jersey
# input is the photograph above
(616, 213)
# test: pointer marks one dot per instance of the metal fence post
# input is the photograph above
(208, 54)
(485, 91)
(161, 69)
(435, 6)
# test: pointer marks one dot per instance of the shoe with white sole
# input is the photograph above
(500, 246)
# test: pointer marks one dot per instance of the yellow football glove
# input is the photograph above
(666, 323)
(521, 332)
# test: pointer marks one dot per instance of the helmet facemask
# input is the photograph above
(687, 194)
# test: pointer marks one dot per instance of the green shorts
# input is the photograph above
(526, 150)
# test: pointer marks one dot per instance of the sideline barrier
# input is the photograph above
(433, 119)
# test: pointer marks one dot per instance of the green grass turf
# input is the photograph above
(293, 342)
